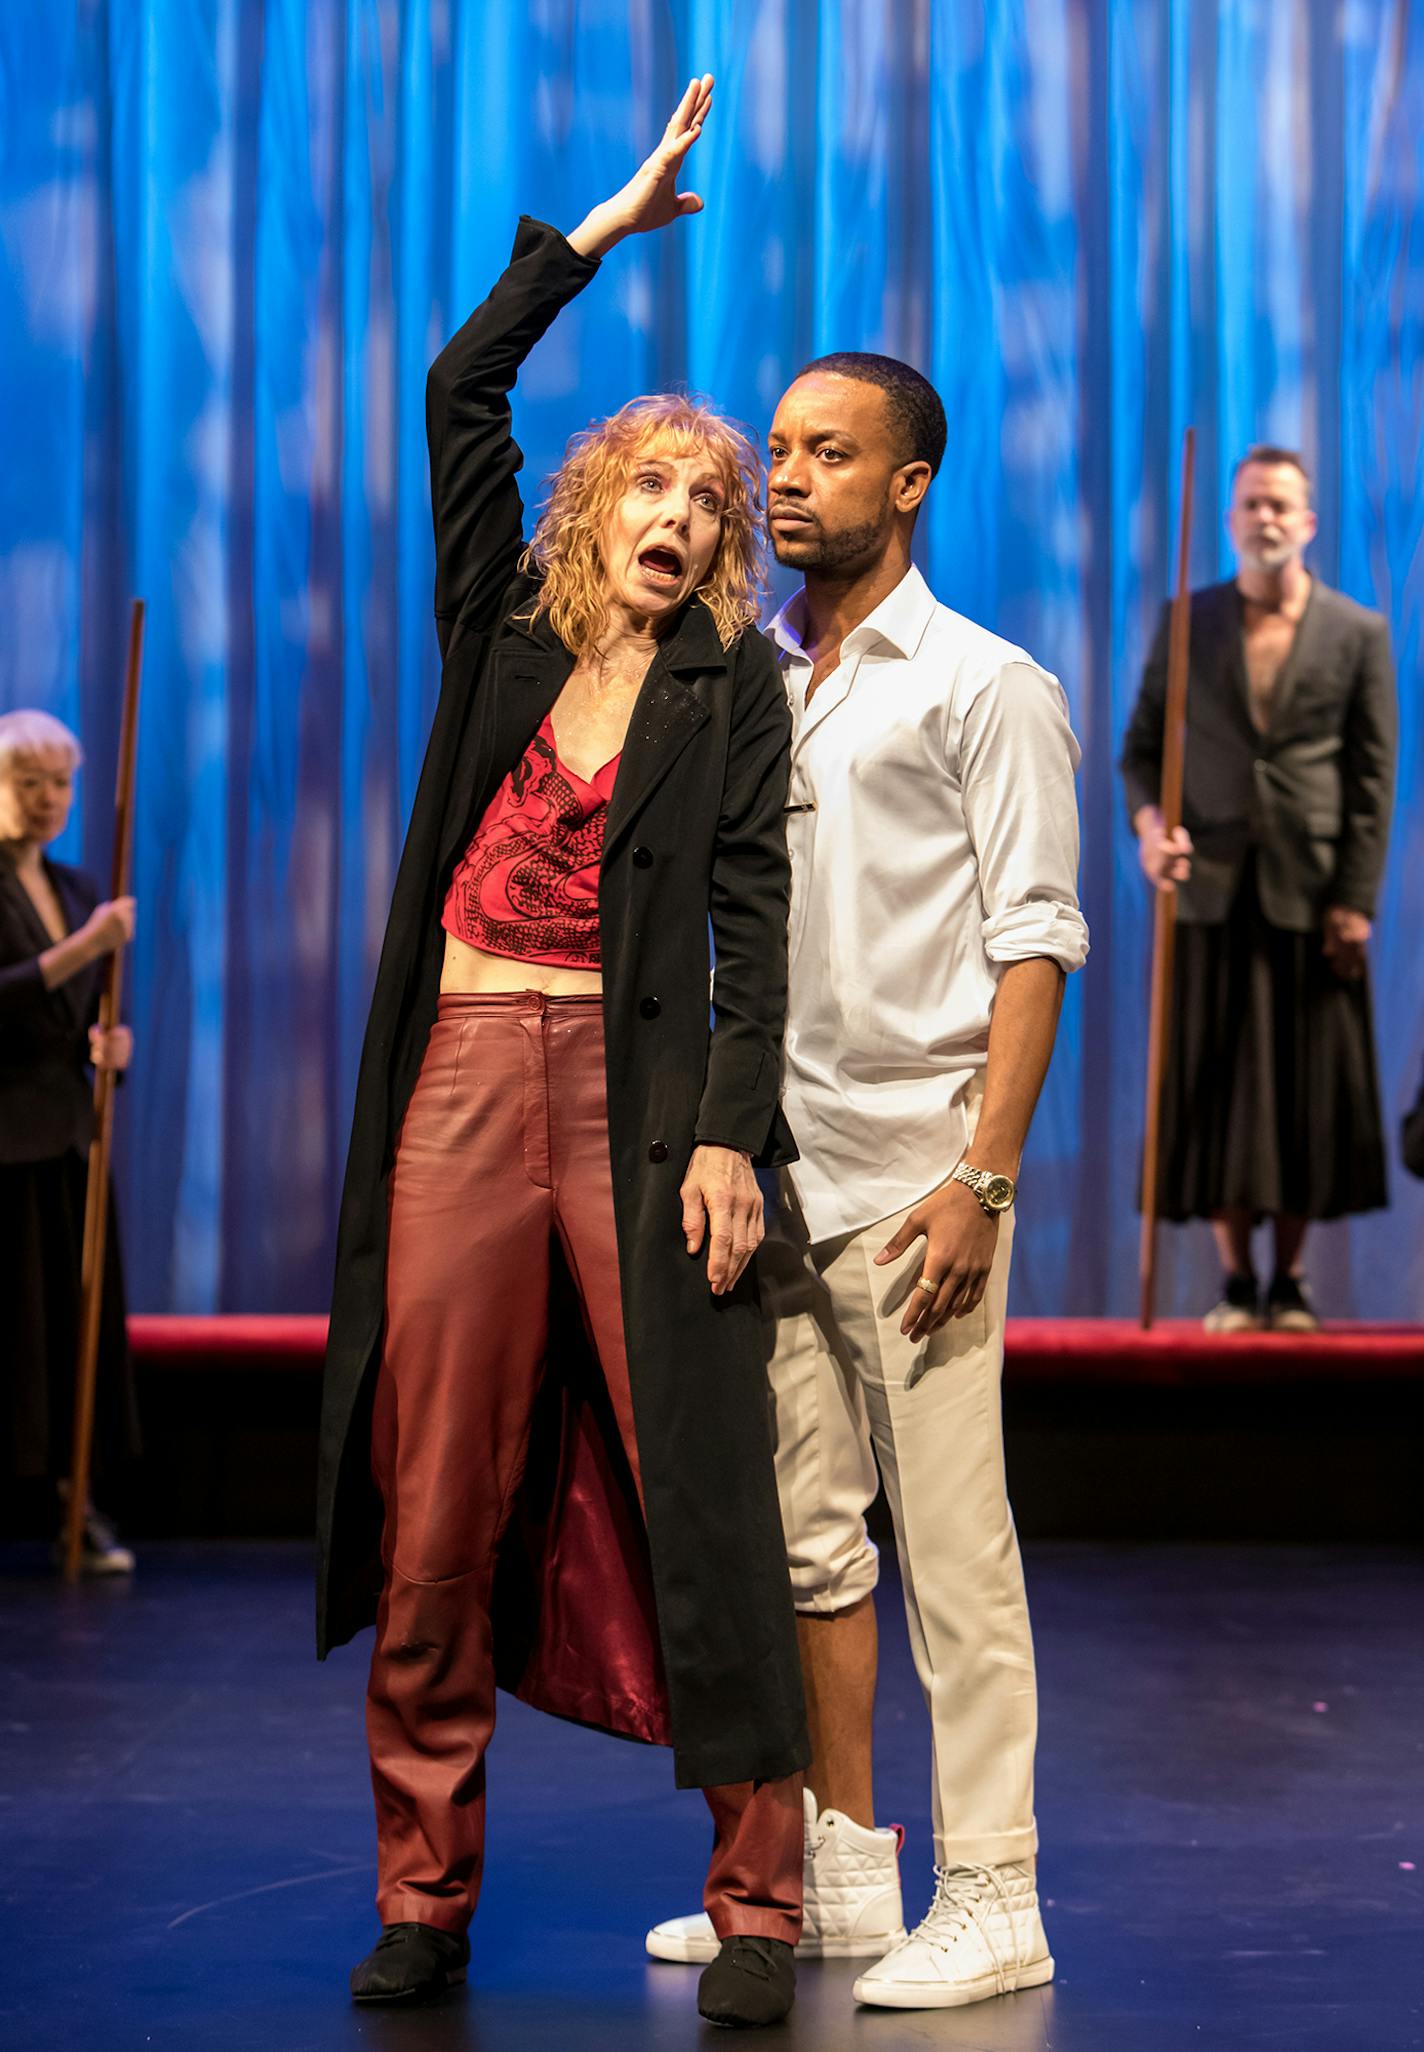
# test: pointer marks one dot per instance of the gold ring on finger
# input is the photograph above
(930, 1288)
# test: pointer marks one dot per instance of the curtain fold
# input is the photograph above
(236, 231)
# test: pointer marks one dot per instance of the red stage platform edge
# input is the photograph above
(1075, 1351)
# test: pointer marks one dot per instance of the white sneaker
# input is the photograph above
(1239, 1309)
(853, 1907)
(102, 1552)
(982, 1936)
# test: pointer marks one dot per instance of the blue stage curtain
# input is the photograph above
(235, 232)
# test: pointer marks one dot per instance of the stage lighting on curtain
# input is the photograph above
(235, 233)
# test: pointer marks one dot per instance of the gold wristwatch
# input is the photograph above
(995, 1193)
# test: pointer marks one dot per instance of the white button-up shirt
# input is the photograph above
(933, 830)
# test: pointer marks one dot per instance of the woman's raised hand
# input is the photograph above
(651, 199)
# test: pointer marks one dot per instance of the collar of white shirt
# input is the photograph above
(900, 619)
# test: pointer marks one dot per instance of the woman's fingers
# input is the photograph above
(682, 112)
(736, 1232)
(675, 151)
(686, 124)
(721, 1209)
(690, 107)
(111, 1050)
(721, 1238)
(743, 1244)
(743, 1248)
(694, 1217)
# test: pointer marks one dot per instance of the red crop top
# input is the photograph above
(527, 885)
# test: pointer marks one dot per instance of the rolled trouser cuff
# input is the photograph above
(826, 1587)
(988, 1849)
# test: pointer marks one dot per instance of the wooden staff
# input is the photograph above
(96, 1196)
(1164, 910)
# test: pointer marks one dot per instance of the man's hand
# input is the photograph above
(1346, 937)
(1165, 858)
(651, 199)
(111, 1050)
(720, 1200)
(960, 1242)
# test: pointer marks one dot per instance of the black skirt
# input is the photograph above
(41, 1245)
(1271, 1101)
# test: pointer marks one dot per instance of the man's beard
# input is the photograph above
(811, 548)
(1271, 557)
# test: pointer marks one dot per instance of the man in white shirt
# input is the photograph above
(933, 828)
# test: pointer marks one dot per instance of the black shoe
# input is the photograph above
(1239, 1309)
(410, 1963)
(1288, 1308)
(751, 1981)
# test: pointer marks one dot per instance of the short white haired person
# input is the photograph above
(55, 932)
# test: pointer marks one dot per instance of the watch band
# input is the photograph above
(996, 1193)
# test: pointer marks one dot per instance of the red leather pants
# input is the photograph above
(504, 1146)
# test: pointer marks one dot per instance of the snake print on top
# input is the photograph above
(527, 885)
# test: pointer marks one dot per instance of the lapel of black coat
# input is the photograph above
(1307, 632)
(78, 992)
(19, 912)
(528, 677)
(71, 996)
(1225, 652)
(528, 668)
(667, 714)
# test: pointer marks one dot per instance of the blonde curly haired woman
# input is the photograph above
(546, 1459)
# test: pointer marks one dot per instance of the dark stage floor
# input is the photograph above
(1229, 1799)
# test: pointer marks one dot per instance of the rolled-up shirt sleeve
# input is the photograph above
(1017, 758)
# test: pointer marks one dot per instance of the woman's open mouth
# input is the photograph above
(661, 566)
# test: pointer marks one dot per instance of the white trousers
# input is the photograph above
(849, 1391)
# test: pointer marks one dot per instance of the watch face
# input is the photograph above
(1000, 1192)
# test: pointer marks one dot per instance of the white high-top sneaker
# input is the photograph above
(853, 1908)
(982, 1935)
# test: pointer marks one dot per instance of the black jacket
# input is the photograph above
(46, 1084)
(1312, 795)
(1411, 1135)
(695, 832)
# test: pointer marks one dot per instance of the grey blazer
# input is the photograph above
(1312, 795)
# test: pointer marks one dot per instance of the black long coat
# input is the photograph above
(695, 834)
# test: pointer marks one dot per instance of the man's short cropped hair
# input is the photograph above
(1274, 452)
(916, 410)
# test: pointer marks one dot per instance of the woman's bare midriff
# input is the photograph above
(471, 972)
